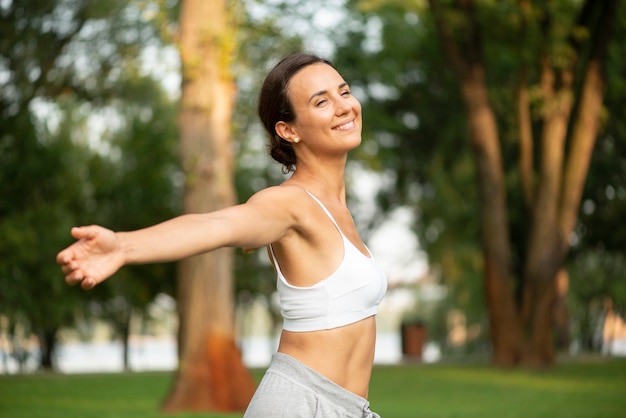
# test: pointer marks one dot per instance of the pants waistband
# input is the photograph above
(300, 373)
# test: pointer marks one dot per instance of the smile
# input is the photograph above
(346, 126)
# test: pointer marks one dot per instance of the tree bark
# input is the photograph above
(544, 256)
(211, 375)
(525, 336)
(586, 125)
(48, 340)
(124, 325)
(562, 177)
(560, 313)
(524, 119)
(504, 328)
(467, 63)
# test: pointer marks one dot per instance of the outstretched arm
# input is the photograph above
(99, 252)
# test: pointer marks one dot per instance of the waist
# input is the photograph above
(344, 355)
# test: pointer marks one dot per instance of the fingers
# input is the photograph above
(77, 277)
(73, 274)
(88, 283)
(68, 268)
(84, 232)
(78, 233)
(70, 265)
(63, 257)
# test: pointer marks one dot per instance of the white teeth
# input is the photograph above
(345, 126)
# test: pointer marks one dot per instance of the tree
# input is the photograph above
(527, 209)
(261, 41)
(62, 62)
(34, 179)
(134, 186)
(414, 135)
(211, 374)
(569, 80)
(596, 264)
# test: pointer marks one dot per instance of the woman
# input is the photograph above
(328, 282)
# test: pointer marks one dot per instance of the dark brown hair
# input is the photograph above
(274, 104)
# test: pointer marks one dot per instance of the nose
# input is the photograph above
(342, 106)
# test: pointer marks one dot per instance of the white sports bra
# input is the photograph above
(353, 292)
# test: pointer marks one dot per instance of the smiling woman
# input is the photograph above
(328, 120)
(329, 284)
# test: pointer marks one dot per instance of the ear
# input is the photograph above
(286, 132)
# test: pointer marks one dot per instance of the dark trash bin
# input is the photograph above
(414, 337)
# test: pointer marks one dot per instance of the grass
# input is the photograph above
(594, 388)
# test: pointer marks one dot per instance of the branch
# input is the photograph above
(584, 20)
(524, 120)
(546, 78)
(449, 44)
(54, 50)
(586, 126)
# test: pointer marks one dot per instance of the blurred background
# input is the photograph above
(491, 181)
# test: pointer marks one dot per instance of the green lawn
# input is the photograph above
(594, 389)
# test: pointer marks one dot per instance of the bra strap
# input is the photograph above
(325, 210)
(274, 260)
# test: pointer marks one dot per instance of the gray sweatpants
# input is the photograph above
(290, 389)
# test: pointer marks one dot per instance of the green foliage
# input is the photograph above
(604, 199)
(138, 183)
(596, 264)
(596, 276)
(415, 127)
(68, 69)
(262, 42)
(38, 187)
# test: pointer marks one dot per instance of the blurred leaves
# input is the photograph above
(85, 137)
(415, 128)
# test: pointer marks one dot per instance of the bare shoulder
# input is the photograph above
(284, 196)
(285, 200)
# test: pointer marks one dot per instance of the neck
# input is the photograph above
(325, 182)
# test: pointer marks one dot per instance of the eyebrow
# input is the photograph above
(323, 92)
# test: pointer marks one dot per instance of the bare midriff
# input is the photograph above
(344, 355)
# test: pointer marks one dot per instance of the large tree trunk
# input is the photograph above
(504, 327)
(562, 176)
(211, 374)
(505, 333)
(554, 200)
(467, 63)
(544, 257)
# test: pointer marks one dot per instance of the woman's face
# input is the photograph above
(328, 117)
